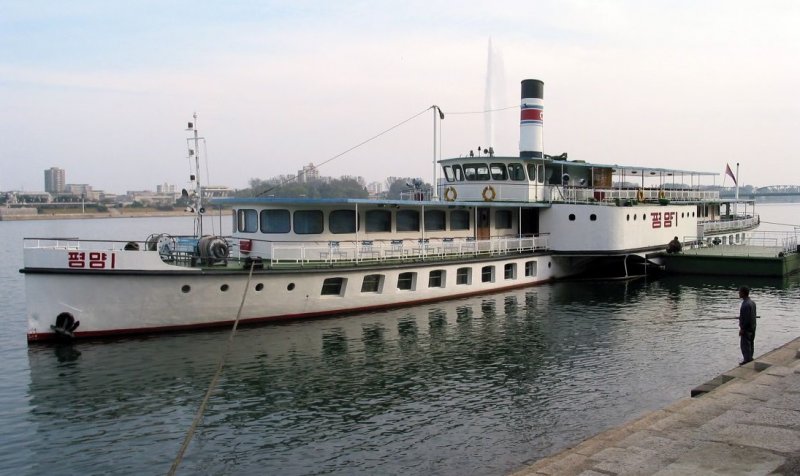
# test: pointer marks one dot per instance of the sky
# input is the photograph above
(104, 89)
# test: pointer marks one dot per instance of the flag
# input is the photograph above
(729, 172)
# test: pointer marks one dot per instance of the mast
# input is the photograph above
(194, 150)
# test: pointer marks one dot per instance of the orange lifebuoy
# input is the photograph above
(450, 194)
(489, 193)
(640, 195)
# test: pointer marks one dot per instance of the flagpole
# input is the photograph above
(736, 208)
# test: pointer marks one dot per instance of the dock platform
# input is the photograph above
(746, 421)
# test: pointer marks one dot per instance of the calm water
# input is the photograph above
(472, 386)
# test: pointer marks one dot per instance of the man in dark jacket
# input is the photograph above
(747, 325)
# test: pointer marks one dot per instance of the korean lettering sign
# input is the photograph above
(91, 260)
(664, 219)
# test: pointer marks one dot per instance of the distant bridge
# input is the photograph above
(758, 194)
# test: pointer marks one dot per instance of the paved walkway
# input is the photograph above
(745, 422)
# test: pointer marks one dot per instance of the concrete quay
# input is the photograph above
(744, 422)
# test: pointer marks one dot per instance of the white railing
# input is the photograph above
(399, 250)
(723, 226)
(757, 243)
(613, 195)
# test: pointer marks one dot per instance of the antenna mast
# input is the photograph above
(194, 150)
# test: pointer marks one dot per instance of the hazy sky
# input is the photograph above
(104, 88)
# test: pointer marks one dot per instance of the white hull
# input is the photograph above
(122, 302)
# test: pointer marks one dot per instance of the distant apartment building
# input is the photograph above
(165, 188)
(375, 188)
(54, 180)
(308, 174)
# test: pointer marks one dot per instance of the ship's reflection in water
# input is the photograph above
(470, 386)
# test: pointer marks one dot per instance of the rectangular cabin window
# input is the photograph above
(435, 220)
(539, 173)
(275, 221)
(308, 222)
(458, 173)
(448, 173)
(373, 283)
(436, 279)
(532, 172)
(247, 220)
(378, 221)
(459, 220)
(476, 172)
(487, 274)
(502, 219)
(530, 268)
(510, 271)
(464, 276)
(342, 221)
(499, 171)
(408, 220)
(405, 281)
(516, 172)
(333, 287)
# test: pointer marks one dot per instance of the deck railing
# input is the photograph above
(742, 223)
(612, 196)
(400, 250)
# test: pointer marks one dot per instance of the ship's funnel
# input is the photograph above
(530, 119)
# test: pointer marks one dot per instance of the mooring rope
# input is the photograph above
(782, 224)
(202, 409)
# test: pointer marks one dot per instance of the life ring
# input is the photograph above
(489, 193)
(661, 195)
(450, 194)
(640, 195)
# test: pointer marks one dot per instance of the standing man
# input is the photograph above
(747, 325)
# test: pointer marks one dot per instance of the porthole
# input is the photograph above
(681, 214)
(549, 264)
(223, 288)
(186, 288)
(290, 287)
(644, 217)
(593, 217)
(259, 287)
(635, 217)
(571, 217)
(628, 217)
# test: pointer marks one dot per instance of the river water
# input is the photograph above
(472, 386)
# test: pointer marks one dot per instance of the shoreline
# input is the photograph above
(96, 215)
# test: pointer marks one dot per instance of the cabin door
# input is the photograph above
(484, 232)
(530, 221)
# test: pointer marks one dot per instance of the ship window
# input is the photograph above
(516, 172)
(275, 221)
(458, 173)
(502, 219)
(459, 220)
(378, 220)
(342, 221)
(510, 271)
(436, 279)
(405, 281)
(434, 220)
(532, 172)
(476, 171)
(308, 222)
(448, 173)
(593, 217)
(571, 217)
(499, 171)
(635, 217)
(628, 217)
(407, 220)
(333, 287)
(539, 173)
(247, 220)
(530, 268)
(464, 276)
(487, 274)
(644, 217)
(373, 283)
